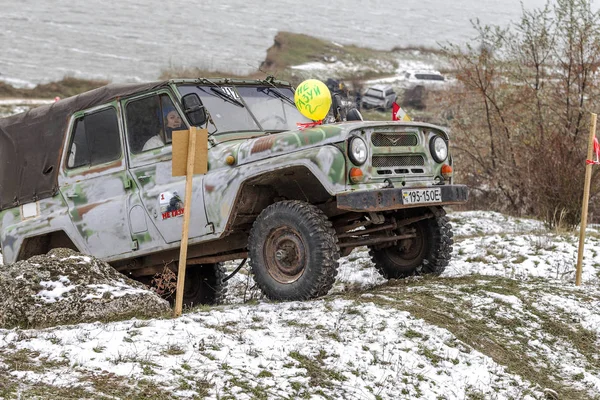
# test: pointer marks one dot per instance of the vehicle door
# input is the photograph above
(150, 120)
(95, 182)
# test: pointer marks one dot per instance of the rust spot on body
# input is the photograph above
(262, 144)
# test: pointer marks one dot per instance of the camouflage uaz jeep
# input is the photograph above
(93, 173)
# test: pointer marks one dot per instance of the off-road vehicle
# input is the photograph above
(380, 97)
(93, 173)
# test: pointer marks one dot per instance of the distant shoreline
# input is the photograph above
(288, 50)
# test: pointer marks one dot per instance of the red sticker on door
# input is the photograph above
(171, 205)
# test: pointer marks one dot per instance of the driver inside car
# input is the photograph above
(172, 123)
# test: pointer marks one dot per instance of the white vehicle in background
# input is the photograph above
(429, 79)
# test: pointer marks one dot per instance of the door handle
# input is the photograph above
(72, 195)
(143, 177)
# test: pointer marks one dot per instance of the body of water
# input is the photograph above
(121, 40)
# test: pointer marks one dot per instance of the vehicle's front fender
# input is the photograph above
(223, 185)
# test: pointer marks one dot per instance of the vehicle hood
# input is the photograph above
(246, 150)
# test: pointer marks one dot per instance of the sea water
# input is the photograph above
(135, 40)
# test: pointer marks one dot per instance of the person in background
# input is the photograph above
(358, 97)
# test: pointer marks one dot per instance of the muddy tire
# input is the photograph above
(293, 251)
(204, 285)
(428, 253)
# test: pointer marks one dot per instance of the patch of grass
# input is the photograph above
(292, 322)
(225, 328)
(316, 371)
(487, 329)
(147, 370)
(578, 377)
(22, 360)
(411, 334)
(497, 255)
(434, 358)
(295, 49)
(54, 339)
(519, 259)
(335, 336)
(264, 374)
(480, 259)
(102, 386)
(257, 391)
(99, 349)
(584, 340)
(353, 311)
(173, 350)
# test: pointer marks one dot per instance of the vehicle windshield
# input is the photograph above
(273, 108)
(374, 93)
(248, 108)
(228, 113)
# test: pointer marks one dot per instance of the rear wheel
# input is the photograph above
(204, 285)
(428, 252)
(293, 251)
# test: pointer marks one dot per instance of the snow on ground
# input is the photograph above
(29, 102)
(9, 107)
(493, 244)
(332, 348)
(504, 321)
(394, 68)
(335, 68)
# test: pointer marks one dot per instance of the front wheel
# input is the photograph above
(293, 251)
(428, 252)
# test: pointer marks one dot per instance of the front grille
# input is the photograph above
(400, 139)
(398, 161)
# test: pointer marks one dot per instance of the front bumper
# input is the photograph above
(391, 199)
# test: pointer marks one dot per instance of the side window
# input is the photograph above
(95, 139)
(150, 122)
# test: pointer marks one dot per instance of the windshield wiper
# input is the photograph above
(226, 97)
(277, 93)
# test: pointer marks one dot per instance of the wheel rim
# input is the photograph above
(410, 252)
(285, 254)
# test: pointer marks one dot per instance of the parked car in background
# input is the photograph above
(427, 78)
(378, 96)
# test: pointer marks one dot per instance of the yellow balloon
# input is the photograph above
(313, 99)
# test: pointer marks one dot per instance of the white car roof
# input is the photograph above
(380, 86)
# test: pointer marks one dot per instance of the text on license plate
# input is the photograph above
(413, 196)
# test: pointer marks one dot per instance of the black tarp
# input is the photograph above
(31, 143)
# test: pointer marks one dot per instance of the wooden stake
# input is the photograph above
(586, 199)
(186, 223)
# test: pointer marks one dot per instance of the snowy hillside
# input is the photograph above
(505, 321)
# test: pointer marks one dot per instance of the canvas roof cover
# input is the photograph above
(31, 143)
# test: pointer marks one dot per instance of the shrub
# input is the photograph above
(520, 114)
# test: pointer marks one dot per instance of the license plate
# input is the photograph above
(417, 196)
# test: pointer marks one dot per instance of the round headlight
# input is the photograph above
(358, 151)
(438, 148)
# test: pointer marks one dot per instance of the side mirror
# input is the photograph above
(194, 109)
